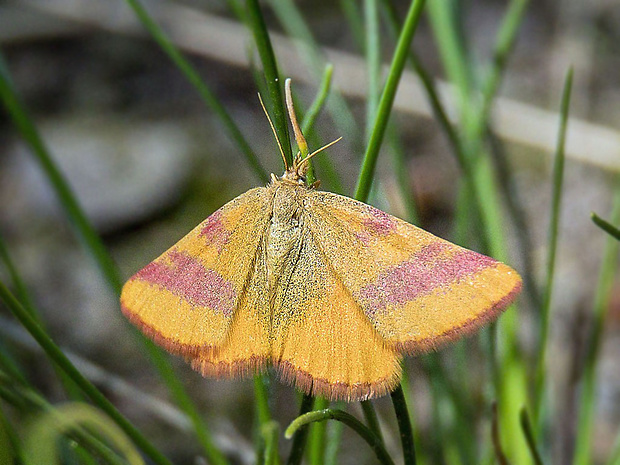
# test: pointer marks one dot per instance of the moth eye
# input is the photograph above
(302, 180)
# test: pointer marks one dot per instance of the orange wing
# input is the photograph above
(322, 341)
(418, 290)
(187, 299)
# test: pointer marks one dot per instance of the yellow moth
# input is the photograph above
(329, 291)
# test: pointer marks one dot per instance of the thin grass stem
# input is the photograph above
(307, 126)
(262, 414)
(372, 47)
(403, 177)
(56, 355)
(300, 435)
(404, 426)
(272, 75)
(24, 297)
(205, 93)
(94, 245)
(606, 226)
(66, 197)
(270, 432)
(8, 364)
(587, 401)
(372, 421)
(90, 444)
(528, 432)
(293, 22)
(317, 436)
(504, 45)
(335, 430)
(10, 444)
(496, 438)
(351, 11)
(387, 99)
(335, 414)
(307, 123)
(453, 51)
(545, 314)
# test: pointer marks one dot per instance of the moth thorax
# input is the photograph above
(287, 206)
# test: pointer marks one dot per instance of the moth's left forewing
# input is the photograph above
(418, 290)
(187, 299)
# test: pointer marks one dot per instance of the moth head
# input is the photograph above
(295, 174)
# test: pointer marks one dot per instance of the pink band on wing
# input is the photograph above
(189, 279)
(427, 271)
(214, 231)
(379, 222)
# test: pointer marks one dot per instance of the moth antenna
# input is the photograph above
(316, 152)
(273, 129)
(299, 137)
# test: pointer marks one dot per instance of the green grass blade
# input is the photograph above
(307, 126)
(335, 414)
(56, 355)
(495, 434)
(10, 444)
(504, 44)
(545, 314)
(262, 405)
(93, 243)
(299, 435)
(271, 432)
(307, 123)
(24, 297)
(262, 416)
(606, 226)
(317, 436)
(257, 24)
(429, 87)
(454, 56)
(587, 401)
(9, 365)
(205, 93)
(272, 76)
(32, 403)
(184, 401)
(293, 22)
(515, 207)
(404, 425)
(528, 432)
(16, 280)
(372, 421)
(387, 99)
(351, 11)
(335, 430)
(66, 197)
(373, 62)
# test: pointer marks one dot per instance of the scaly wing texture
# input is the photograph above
(189, 297)
(419, 291)
(322, 341)
(247, 346)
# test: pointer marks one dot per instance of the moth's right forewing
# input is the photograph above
(186, 299)
(417, 290)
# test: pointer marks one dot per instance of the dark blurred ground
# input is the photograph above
(149, 161)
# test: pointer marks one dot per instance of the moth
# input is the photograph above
(329, 291)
